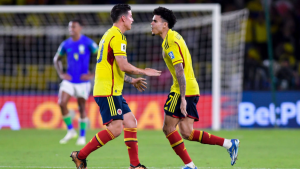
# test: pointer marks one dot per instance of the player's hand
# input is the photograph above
(183, 107)
(152, 72)
(65, 76)
(139, 83)
(87, 76)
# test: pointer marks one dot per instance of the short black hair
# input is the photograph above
(77, 20)
(167, 15)
(118, 10)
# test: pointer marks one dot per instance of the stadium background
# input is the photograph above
(27, 76)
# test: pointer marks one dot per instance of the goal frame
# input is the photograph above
(216, 35)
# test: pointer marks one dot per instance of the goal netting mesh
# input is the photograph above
(29, 82)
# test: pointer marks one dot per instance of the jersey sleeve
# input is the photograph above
(61, 51)
(174, 53)
(93, 47)
(119, 44)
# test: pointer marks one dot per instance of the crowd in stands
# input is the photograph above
(285, 23)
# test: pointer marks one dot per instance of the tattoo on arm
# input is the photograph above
(127, 79)
(180, 78)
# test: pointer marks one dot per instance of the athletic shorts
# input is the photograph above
(172, 106)
(78, 90)
(112, 108)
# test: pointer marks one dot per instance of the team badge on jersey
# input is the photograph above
(119, 111)
(171, 54)
(123, 47)
(81, 49)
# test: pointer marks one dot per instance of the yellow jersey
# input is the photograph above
(109, 79)
(175, 51)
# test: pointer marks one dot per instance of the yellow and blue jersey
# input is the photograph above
(109, 79)
(78, 56)
(175, 51)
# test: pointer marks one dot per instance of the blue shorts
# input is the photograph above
(172, 106)
(112, 108)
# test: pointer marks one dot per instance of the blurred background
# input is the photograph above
(260, 83)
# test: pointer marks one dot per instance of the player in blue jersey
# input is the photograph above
(76, 81)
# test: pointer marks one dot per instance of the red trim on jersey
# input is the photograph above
(192, 95)
(177, 61)
(110, 60)
(181, 54)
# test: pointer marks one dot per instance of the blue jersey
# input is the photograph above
(78, 56)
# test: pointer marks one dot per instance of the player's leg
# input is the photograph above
(188, 133)
(82, 91)
(113, 130)
(114, 125)
(65, 92)
(130, 136)
(83, 120)
(172, 118)
(176, 142)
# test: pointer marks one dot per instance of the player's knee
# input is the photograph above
(62, 104)
(185, 134)
(167, 129)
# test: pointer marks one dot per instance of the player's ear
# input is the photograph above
(165, 24)
(123, 18)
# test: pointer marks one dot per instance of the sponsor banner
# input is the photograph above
(257, 110)
(43, 111)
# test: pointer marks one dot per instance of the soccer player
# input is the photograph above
(180, 107)
(76, 81)
(110, 75)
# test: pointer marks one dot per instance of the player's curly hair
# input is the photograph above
(118, 10)
(167, 15)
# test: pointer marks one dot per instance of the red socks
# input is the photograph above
(131, 142)
(96, 142)
(178, 146)
(206, 138)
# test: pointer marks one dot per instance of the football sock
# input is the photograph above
(206, 138)
(68, 122)
(96, 142)
(131, 142)
(178, 146)
(227, 143)
(191, 165)
(83, 125)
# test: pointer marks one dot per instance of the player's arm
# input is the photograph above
(130, 69)
(58, 64)
(182, 85)
(139, 83)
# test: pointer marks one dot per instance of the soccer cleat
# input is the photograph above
(138, 167)
(70, 134)
(80, 164)
(233, 150)
(81, 141)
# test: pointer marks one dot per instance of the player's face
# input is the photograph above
(74, 28)
(128, 20)
(157, 25)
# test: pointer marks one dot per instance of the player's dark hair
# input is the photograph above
(77, 20)
(167, 15)
(118, 10)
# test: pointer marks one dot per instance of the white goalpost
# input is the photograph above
(30, 36)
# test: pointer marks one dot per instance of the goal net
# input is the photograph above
(29, 84)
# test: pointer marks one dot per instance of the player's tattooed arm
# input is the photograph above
(180, 78)
(128, 79)
(182, 85)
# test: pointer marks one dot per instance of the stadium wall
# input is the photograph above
(43, 112)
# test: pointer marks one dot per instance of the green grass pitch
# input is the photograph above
(259, 149)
